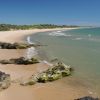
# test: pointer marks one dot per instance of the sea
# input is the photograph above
(79, 48)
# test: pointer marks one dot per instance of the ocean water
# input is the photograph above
(79, 48)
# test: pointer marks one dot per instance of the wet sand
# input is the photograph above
(64, 89)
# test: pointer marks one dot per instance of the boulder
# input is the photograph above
(20, 60)
(87, 98)
(4, 45)
(25, 61)
(5, 80)
(5, 62)
(56, 72)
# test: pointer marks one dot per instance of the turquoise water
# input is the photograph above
(79, 48)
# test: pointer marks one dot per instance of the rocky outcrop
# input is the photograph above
(56, 72)
(5, 80)
(88, 98)
(20, 61)
(4, 45)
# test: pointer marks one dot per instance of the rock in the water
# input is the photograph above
(20, 60)
(88, 98)
(5, 80)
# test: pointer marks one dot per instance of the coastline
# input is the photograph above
(18, 35)
(58, 90)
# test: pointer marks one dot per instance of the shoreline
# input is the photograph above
(61, 89)
(18, 35)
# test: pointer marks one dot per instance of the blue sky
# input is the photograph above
(71, 12)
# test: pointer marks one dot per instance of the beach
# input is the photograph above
(18, 35)
(62, 89)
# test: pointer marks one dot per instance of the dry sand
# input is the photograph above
(64, 89)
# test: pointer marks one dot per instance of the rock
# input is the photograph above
(43, 78)
(54, 77)
(53, 73)
(54, 60)
(56, 72)
(87, 98)
(22, 46)
(4, 45)
(5, 80)
(24, 61)
(20, 60)
(66, 73)
(5, 62)
(28, 82)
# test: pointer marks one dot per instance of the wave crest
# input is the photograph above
(58, 33)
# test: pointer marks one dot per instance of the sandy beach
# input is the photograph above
(18, 35)
(63, 89)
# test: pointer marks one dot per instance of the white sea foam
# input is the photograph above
(29, 40)
(77, 39)
(59, 33)
(94, 39)
(40, 68)
(46, 62)
(30, 51)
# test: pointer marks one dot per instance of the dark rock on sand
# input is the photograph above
(4, 45)
(88, 98)
(5, 80)
(20, 60)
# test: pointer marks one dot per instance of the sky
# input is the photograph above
(70, 12)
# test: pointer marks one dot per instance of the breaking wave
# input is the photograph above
(46, 62)
(58, 33)
(77, 39)
(29, 40)
(30, 51)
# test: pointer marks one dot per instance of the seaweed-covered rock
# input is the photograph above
(5, 80)
(53, 73)
(4, 45)
(20, 60)
(88, 98)
(5, 62)
(25, 61)
(56, 72)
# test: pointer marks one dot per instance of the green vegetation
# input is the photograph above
(8, 27)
